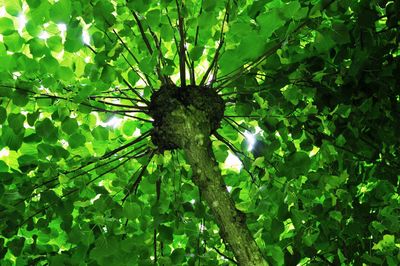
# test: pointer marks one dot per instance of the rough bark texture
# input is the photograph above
(185, 118)
(231, 222)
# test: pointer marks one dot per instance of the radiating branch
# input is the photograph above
(182, 54)
(240, 71)
(56, 178)
(229, 123)
(135, 184)
(224, 256)
(236, 151)
(144, 37)
(217, 51)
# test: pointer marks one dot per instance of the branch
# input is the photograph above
(144, 37)
(75, 190)
(55, 178)
(221, 42)
(236, 151)
(147, 78)
(225, 256)
(182, 54)
(135, 185)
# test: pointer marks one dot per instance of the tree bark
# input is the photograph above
(231, 222)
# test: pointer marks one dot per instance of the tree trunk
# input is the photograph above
(231, 222)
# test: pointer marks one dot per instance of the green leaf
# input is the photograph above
(3, 115)
(100, 133)
(74, 41)
(276, 253)
(76, 140)
(13, 8)
(336, 215)
(296, 164)
(196, 52)
(65, 73)
(47, 130)
(177, 256)
(293, 94)
(20, 98)
(229, 62)
(37, 47)
(138, 5)
(69, 125)
(10, 139)
(387, 243)
(269, 22)
(133, 77)
(165, 233)
(33, 3)
(6, 26)
(32, 117)
(44, 150)
(16, 122)
(153, 17)
(108, 74)
(16, 245)
(27, 162)
(14, 42)
(310, 236)
(147, 65)
(129, 127)
(55, 43)
(131, 210)
(290, 9)
(50, 64)
(60, 11)
(3, 167)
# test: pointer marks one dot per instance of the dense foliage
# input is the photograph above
(316, 82)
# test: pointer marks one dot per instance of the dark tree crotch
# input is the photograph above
(173, 108)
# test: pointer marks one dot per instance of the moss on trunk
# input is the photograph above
(185, 118)
(231, 222)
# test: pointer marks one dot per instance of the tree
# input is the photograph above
(118, 118)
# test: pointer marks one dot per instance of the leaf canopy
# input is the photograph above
(313, 85)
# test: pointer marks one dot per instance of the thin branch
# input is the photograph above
(122, 105)
(70, 192)
(124, 80)
(238, 72)
(259, 89)
(56, 178)
(225, 256)
(114, 97)
(173, 28)
(182, 54)
(104, 157)
(138, 139)
(190, 65)
(220, 44)
(254, 116)
(155, 245)
(227, 143)
(134, 91)
(165, 79)
(236, 123)
(135, 184)
(229, 123)
(147, 78)
(144, 37)
(98, 109)
(236, 151)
